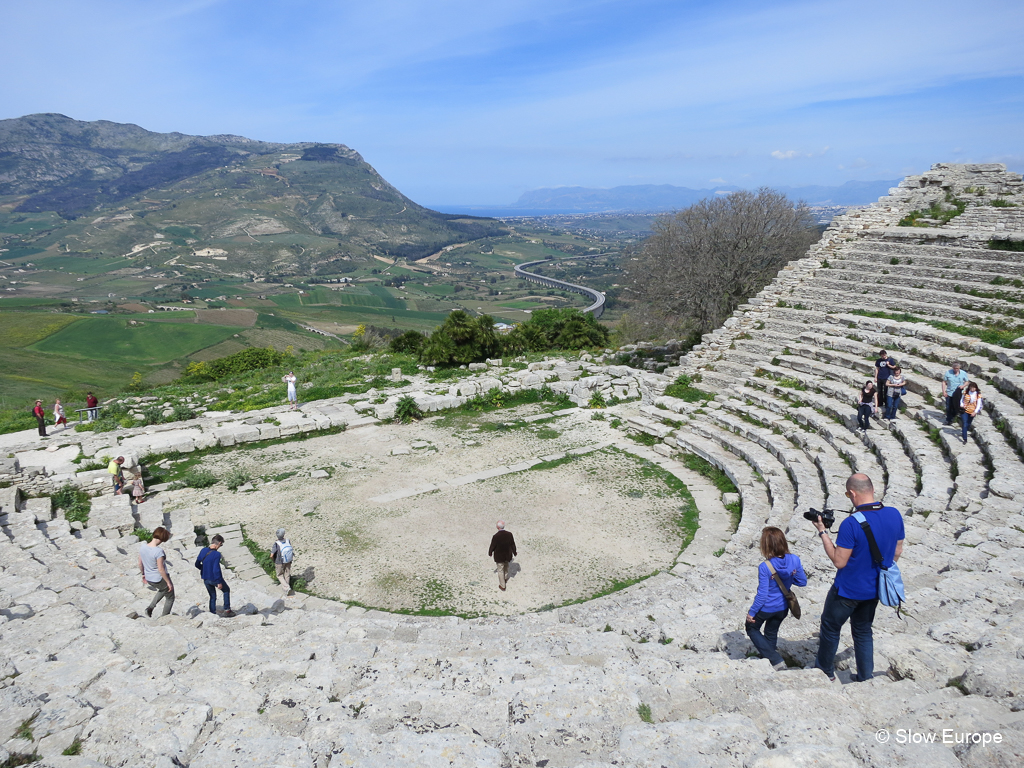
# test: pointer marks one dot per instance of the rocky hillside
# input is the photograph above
(214, 186)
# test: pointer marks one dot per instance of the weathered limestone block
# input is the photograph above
(229, 435)
(269, 431)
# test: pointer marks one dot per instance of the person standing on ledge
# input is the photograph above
(854, 595)
(93, 405)
(40, 415)
(290, 380)
(503, 547)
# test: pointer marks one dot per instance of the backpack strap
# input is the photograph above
(876, 553)
(778, 580)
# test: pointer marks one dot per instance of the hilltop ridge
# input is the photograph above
(326, 197)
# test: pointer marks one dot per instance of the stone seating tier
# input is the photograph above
(307, 682)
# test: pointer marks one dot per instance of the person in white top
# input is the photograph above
(290, 380)
(58, 415)
(970, 406)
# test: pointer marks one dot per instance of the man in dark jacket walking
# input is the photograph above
(503, 547)
(208, 562)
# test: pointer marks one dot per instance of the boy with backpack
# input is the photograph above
(208, 562)
(282, 553)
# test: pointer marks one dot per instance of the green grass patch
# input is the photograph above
(998, 334)
(261, 555)
(683, 389)
(996, 245)
(937, 211)
(720, 480)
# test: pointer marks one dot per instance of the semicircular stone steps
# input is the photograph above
(325, 687)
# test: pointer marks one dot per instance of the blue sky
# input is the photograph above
(469, 102)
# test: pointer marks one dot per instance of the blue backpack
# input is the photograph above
(890, 580)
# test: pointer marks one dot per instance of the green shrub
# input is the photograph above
(75, 503)
(597, 401)
(406, 410)
(251, 359)
(410, 342)
(143, 534)
(199, 478)
(235, 478)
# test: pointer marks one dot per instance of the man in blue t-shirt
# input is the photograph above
(953, 382)
(209, 563)
(854, 594)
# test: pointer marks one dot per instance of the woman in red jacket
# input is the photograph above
(40, 415)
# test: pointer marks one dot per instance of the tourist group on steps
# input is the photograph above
(865, 551)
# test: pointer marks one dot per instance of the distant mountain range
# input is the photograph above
(244, 197)
(665, 197)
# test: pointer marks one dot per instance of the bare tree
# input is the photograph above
(703, 262)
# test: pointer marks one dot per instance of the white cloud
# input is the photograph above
(717, 181)
(789, 154)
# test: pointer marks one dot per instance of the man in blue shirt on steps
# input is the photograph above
(209, 563)
(854, 594)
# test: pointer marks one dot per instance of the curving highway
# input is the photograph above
(597, 308)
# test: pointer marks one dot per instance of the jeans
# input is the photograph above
(836, 611)
(163, 592)
(892, 406)
(211, 588)
(966, 420)
(93, 414)
(765, 643)
(953, 405)
(864, 415)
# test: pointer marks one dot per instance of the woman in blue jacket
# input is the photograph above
(769, 606)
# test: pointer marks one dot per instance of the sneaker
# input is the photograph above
(149, 612)
(228, 614)
(780, 667)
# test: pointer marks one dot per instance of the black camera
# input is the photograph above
(828, 516)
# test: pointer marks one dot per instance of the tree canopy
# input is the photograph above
(704, 261)
(464, 339)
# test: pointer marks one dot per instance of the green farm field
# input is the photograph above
(19, 329)
(26, 375)
(111, 338)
